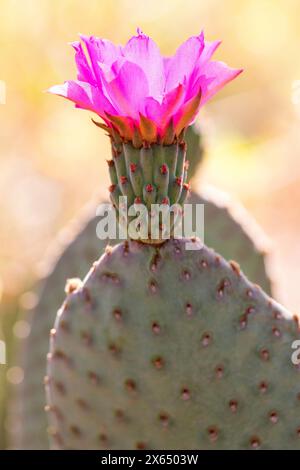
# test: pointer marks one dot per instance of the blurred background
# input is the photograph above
(52, 159)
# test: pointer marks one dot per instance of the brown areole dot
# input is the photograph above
(186, 274)
(164, 419)
(117, 313)
(264, 354)
(206, 339)
(273, 417)
(93, 378)
(189, 309)
(103, 438)
(213, 433)
(82, 404)
(233, 405)
(250, 310)
(158, 362)
(119, 414)
(277, 315)
(60, 355)
(130, 385)
(276, 332)
(114, 349)
(185, 394)
(152, 286)
(222, 287)
(203, 263)
(263, 386)
(255, 442)
(219, 371)
(140, 445)
(75, 430)
(156, 328)
(243, 322)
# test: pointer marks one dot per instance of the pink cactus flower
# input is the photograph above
(135, 90)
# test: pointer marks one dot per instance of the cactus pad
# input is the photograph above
(163, 348)
(223, 232)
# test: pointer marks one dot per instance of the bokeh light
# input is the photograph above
(52, 159)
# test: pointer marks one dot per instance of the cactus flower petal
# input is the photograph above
(128, 90)
(134, 85)
(215, 76)
(143, 51)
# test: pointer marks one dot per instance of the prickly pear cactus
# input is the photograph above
(206, 363)
(159, 346)
(226, 234)
(222, 231)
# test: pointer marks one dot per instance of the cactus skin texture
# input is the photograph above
(156, 174)
(171, 349)
(222, 232)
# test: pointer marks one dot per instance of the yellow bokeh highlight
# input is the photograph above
(52, 159)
